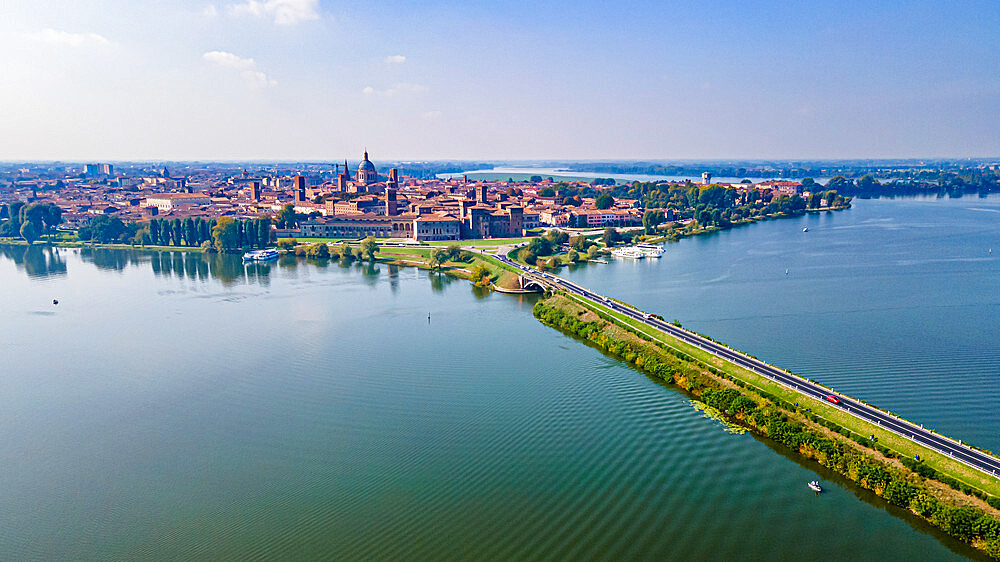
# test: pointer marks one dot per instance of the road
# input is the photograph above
(971, 457)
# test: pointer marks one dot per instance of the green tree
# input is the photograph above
(177, 231)
(190, 234)
(610, 236)
(224, 235)
(572, 256)
(14, 210)
(438, 258)
(604, 201)
(106, 229)
(250, 231)
(154, 231)
(263, 232)
(592, 252)
(318, 251)
(141, 236)
(30, 231)
(651, 219)
(286, 217)
(204, 232)
(369, 247)
(540, 246)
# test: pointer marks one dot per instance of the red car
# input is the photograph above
(833, 399)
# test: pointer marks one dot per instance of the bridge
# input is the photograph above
(957, 450)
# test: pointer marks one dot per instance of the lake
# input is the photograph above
(896, 302)
(179, 405)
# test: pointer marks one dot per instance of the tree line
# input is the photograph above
(29, 221)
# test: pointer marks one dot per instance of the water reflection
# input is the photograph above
(36, 261)
(229, 269)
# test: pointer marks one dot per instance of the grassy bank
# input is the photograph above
(948, 494)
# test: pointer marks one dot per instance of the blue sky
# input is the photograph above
(319, 79)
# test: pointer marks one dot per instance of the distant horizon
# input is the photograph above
(511, 161)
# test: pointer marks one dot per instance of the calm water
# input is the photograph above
(176, 406)
(893, 301)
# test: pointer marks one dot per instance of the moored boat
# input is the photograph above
(814, 486)
(628, 252)
(651, 250)
(261, 255)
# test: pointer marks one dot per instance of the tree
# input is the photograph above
(263, 232)
(190, 234)
(250, 232)
(176, 231)
(537, 179)
(573, 256)
(14, 210)
(610, 236)
(604, 201)
(106, 229)
(369, 247)
(481, 275)
(808, 184)
(286, 217)
(141, 236)
(30, 231)
(318, 251)
(592, 252)
(154, 231)
(540, 246)
(438, 258)
(224, 234)
(651, 219)
(204, 232)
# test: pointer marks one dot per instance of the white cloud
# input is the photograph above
(396, 89)
(210, 11)
(431, 115)
(395, 59)
(247, 67)
(258, 79)
(284, 12)
(56, 37)
(229, 60)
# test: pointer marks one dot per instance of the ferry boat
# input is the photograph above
(628, 252)
(651, 250)
(814, 486)
(261, 255)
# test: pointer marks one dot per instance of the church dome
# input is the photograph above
(366, 165)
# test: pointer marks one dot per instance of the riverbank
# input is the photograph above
(806, 426)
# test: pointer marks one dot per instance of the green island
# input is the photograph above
(961, 501)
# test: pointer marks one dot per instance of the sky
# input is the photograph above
(323, 79)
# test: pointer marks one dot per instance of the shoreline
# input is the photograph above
(813, 434)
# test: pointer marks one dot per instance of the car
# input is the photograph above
(833, 398)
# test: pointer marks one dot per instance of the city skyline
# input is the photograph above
(294, 80)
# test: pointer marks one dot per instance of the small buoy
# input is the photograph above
(55, 301)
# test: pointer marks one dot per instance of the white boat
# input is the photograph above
(806, 229)
(814, 486)
(261, 255)
(628, 252)
(651, 250)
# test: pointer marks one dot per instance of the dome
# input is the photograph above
(366, 171)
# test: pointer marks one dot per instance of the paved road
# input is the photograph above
(943, 445)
